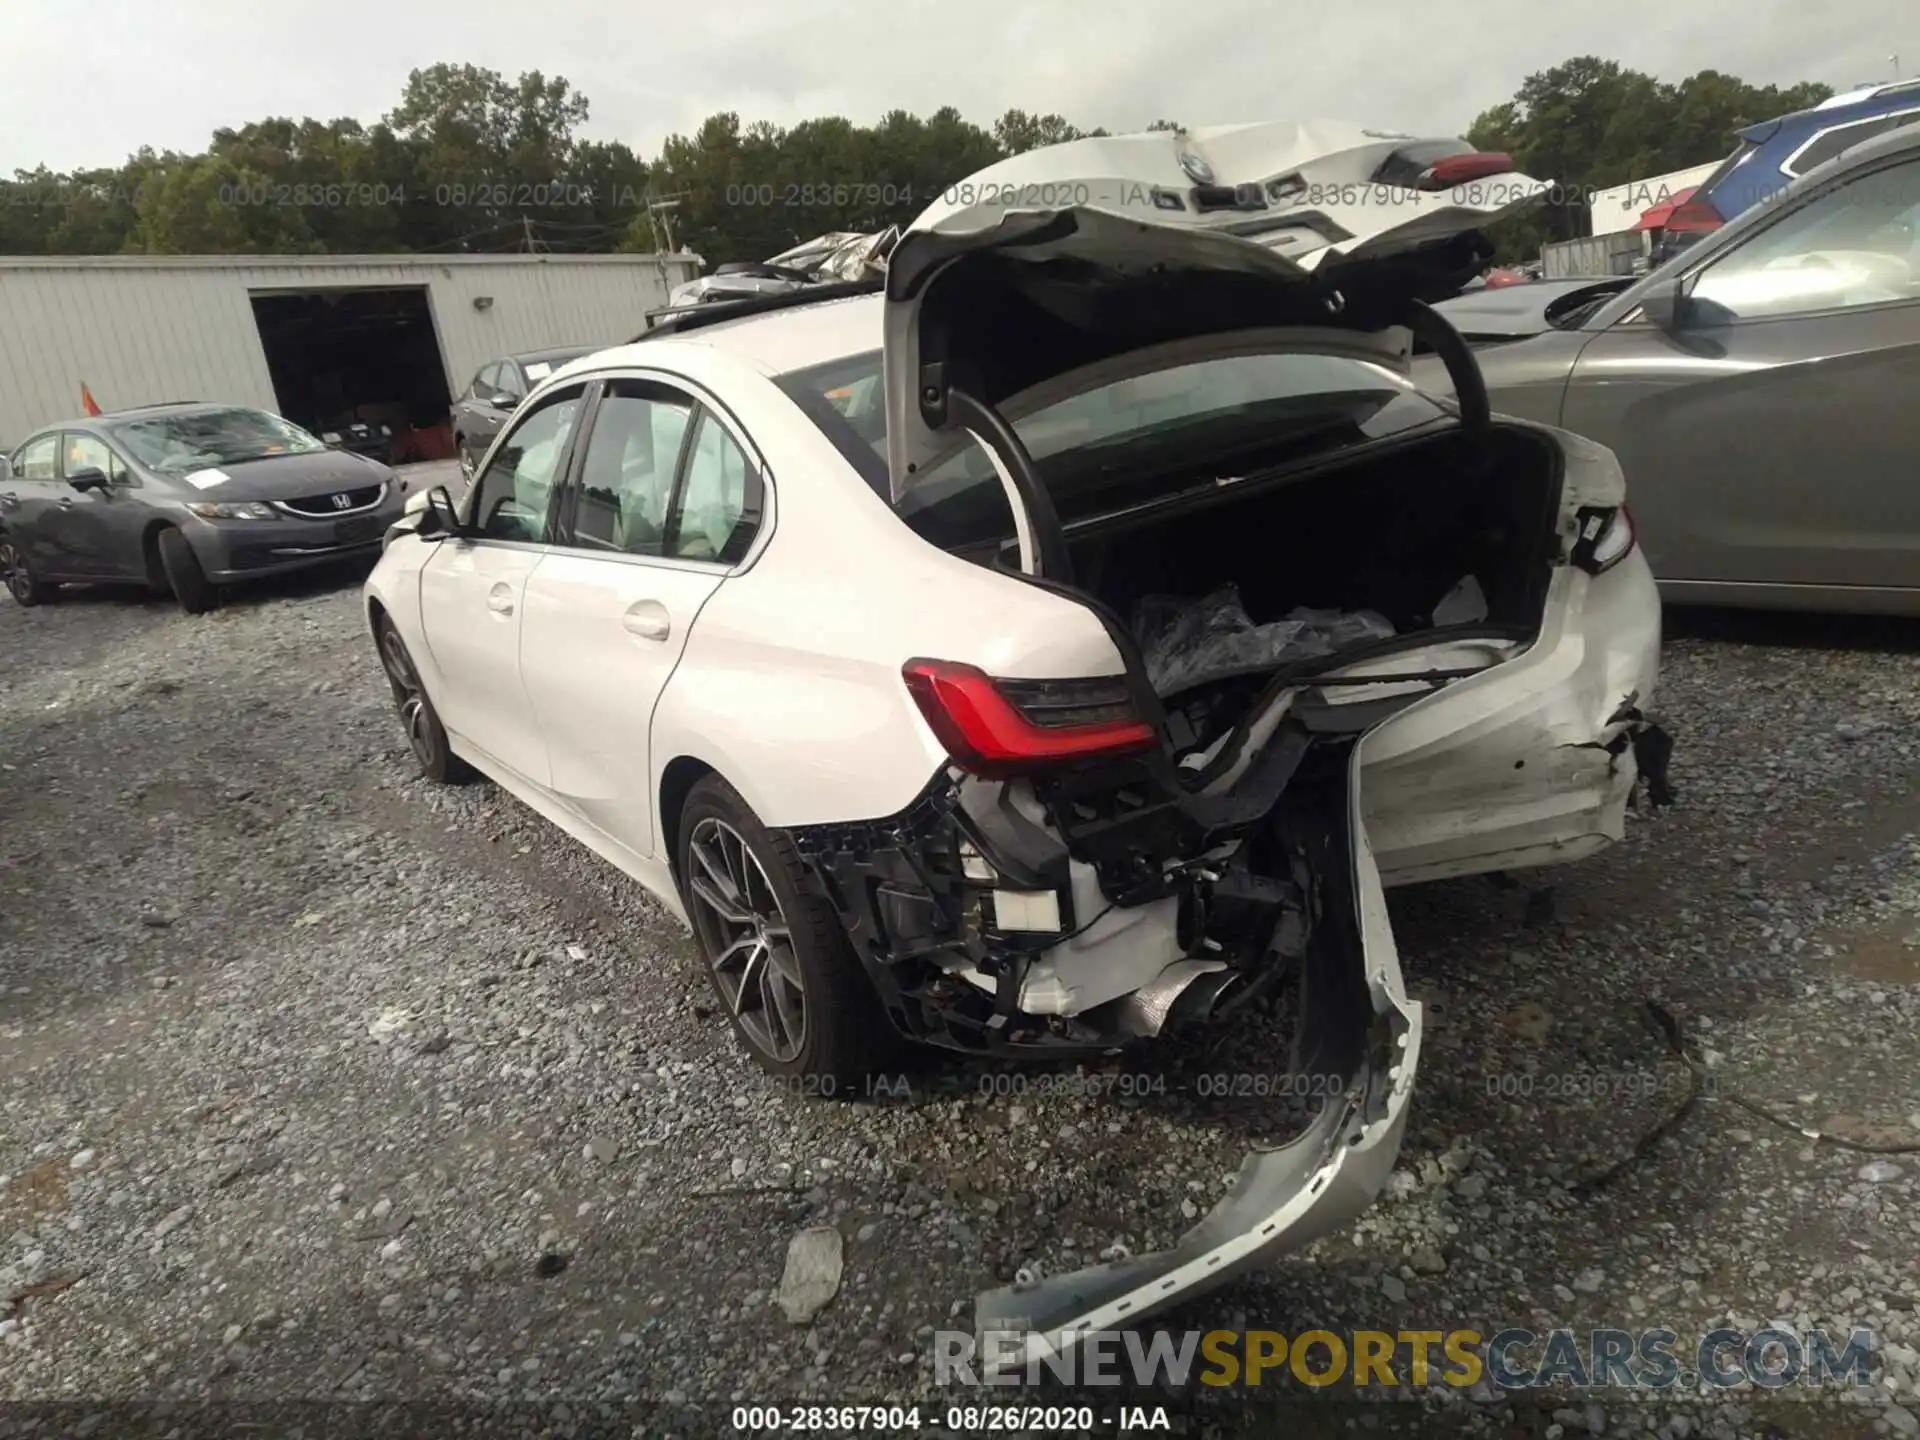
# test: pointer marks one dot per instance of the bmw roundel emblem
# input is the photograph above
(1197, 169)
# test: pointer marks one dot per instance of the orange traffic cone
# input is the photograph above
(86, 399)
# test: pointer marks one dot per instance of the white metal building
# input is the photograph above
(1620, 208)
(300, 334)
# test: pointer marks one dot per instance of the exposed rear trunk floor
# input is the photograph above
(1392, 533)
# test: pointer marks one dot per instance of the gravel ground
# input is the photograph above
(319, 1081)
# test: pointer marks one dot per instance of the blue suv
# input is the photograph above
(1774, 153)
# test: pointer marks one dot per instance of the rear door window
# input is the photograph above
(626, 477)
(720, 498)
(1830, 142)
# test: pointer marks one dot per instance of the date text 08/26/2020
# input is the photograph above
(958, 1420)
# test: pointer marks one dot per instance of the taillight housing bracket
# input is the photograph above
(1603, 537)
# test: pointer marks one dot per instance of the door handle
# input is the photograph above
(66, 504)
(647, 619)
(500, 599)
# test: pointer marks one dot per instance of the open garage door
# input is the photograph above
(341, 357)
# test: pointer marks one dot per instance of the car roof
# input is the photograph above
(108, 418)
(565, 352)
(777, 341)
(1875, 147)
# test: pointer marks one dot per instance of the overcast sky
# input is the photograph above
(85, 82)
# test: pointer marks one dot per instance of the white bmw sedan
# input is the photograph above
(1064, 644)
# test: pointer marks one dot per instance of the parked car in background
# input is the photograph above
(1061, 647)
(1759, 391)
(495, 392)
(840, 256)
(186, 498)
(1772, 154)
(1490, 314)
(361, 437)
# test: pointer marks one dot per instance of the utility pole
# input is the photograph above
(660, 220)
(529, 244)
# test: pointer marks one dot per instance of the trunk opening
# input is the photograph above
(1305, 568)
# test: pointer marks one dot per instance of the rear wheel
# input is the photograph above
(426, 736)
(16, 573)
(775, 953)
(188, 581)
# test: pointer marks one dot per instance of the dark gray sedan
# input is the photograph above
(1759, 388)
(185, 498)
(497, 389)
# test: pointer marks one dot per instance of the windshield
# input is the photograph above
(1135, 439)
(199, 438)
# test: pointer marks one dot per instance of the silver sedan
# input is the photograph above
(1759, 390)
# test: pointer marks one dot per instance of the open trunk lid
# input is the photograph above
(1079, 253)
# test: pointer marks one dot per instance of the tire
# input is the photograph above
(729, 862)
(426, 736)
(189, 582)
(16, 573)
(469, 462)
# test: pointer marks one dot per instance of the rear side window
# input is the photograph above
(1728, 196)
(1829, 143)
(720, 498)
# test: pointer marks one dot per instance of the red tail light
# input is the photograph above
(1000, 728)
(1694, 217)
(1451, 170)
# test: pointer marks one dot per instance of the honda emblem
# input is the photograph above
(342, 502)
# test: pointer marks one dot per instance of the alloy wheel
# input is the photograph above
(410, 695)
(747, 940)
(13, 572)
(466, 463)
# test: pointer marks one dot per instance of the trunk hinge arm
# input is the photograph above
(1469, 386)
(944, 404)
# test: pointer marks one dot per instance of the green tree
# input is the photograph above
(1588, 124)
(1017, 132)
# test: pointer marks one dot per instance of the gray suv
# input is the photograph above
(184, 498)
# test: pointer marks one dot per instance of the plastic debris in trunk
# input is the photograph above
(1187, 642)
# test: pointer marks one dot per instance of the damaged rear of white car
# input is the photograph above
(1353, 631)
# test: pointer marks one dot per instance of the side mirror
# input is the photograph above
(91, 478)
(1665, 305)
(416, 502)
(503, 401)
(438, 517)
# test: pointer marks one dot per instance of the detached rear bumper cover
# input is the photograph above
(1356, 1023)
